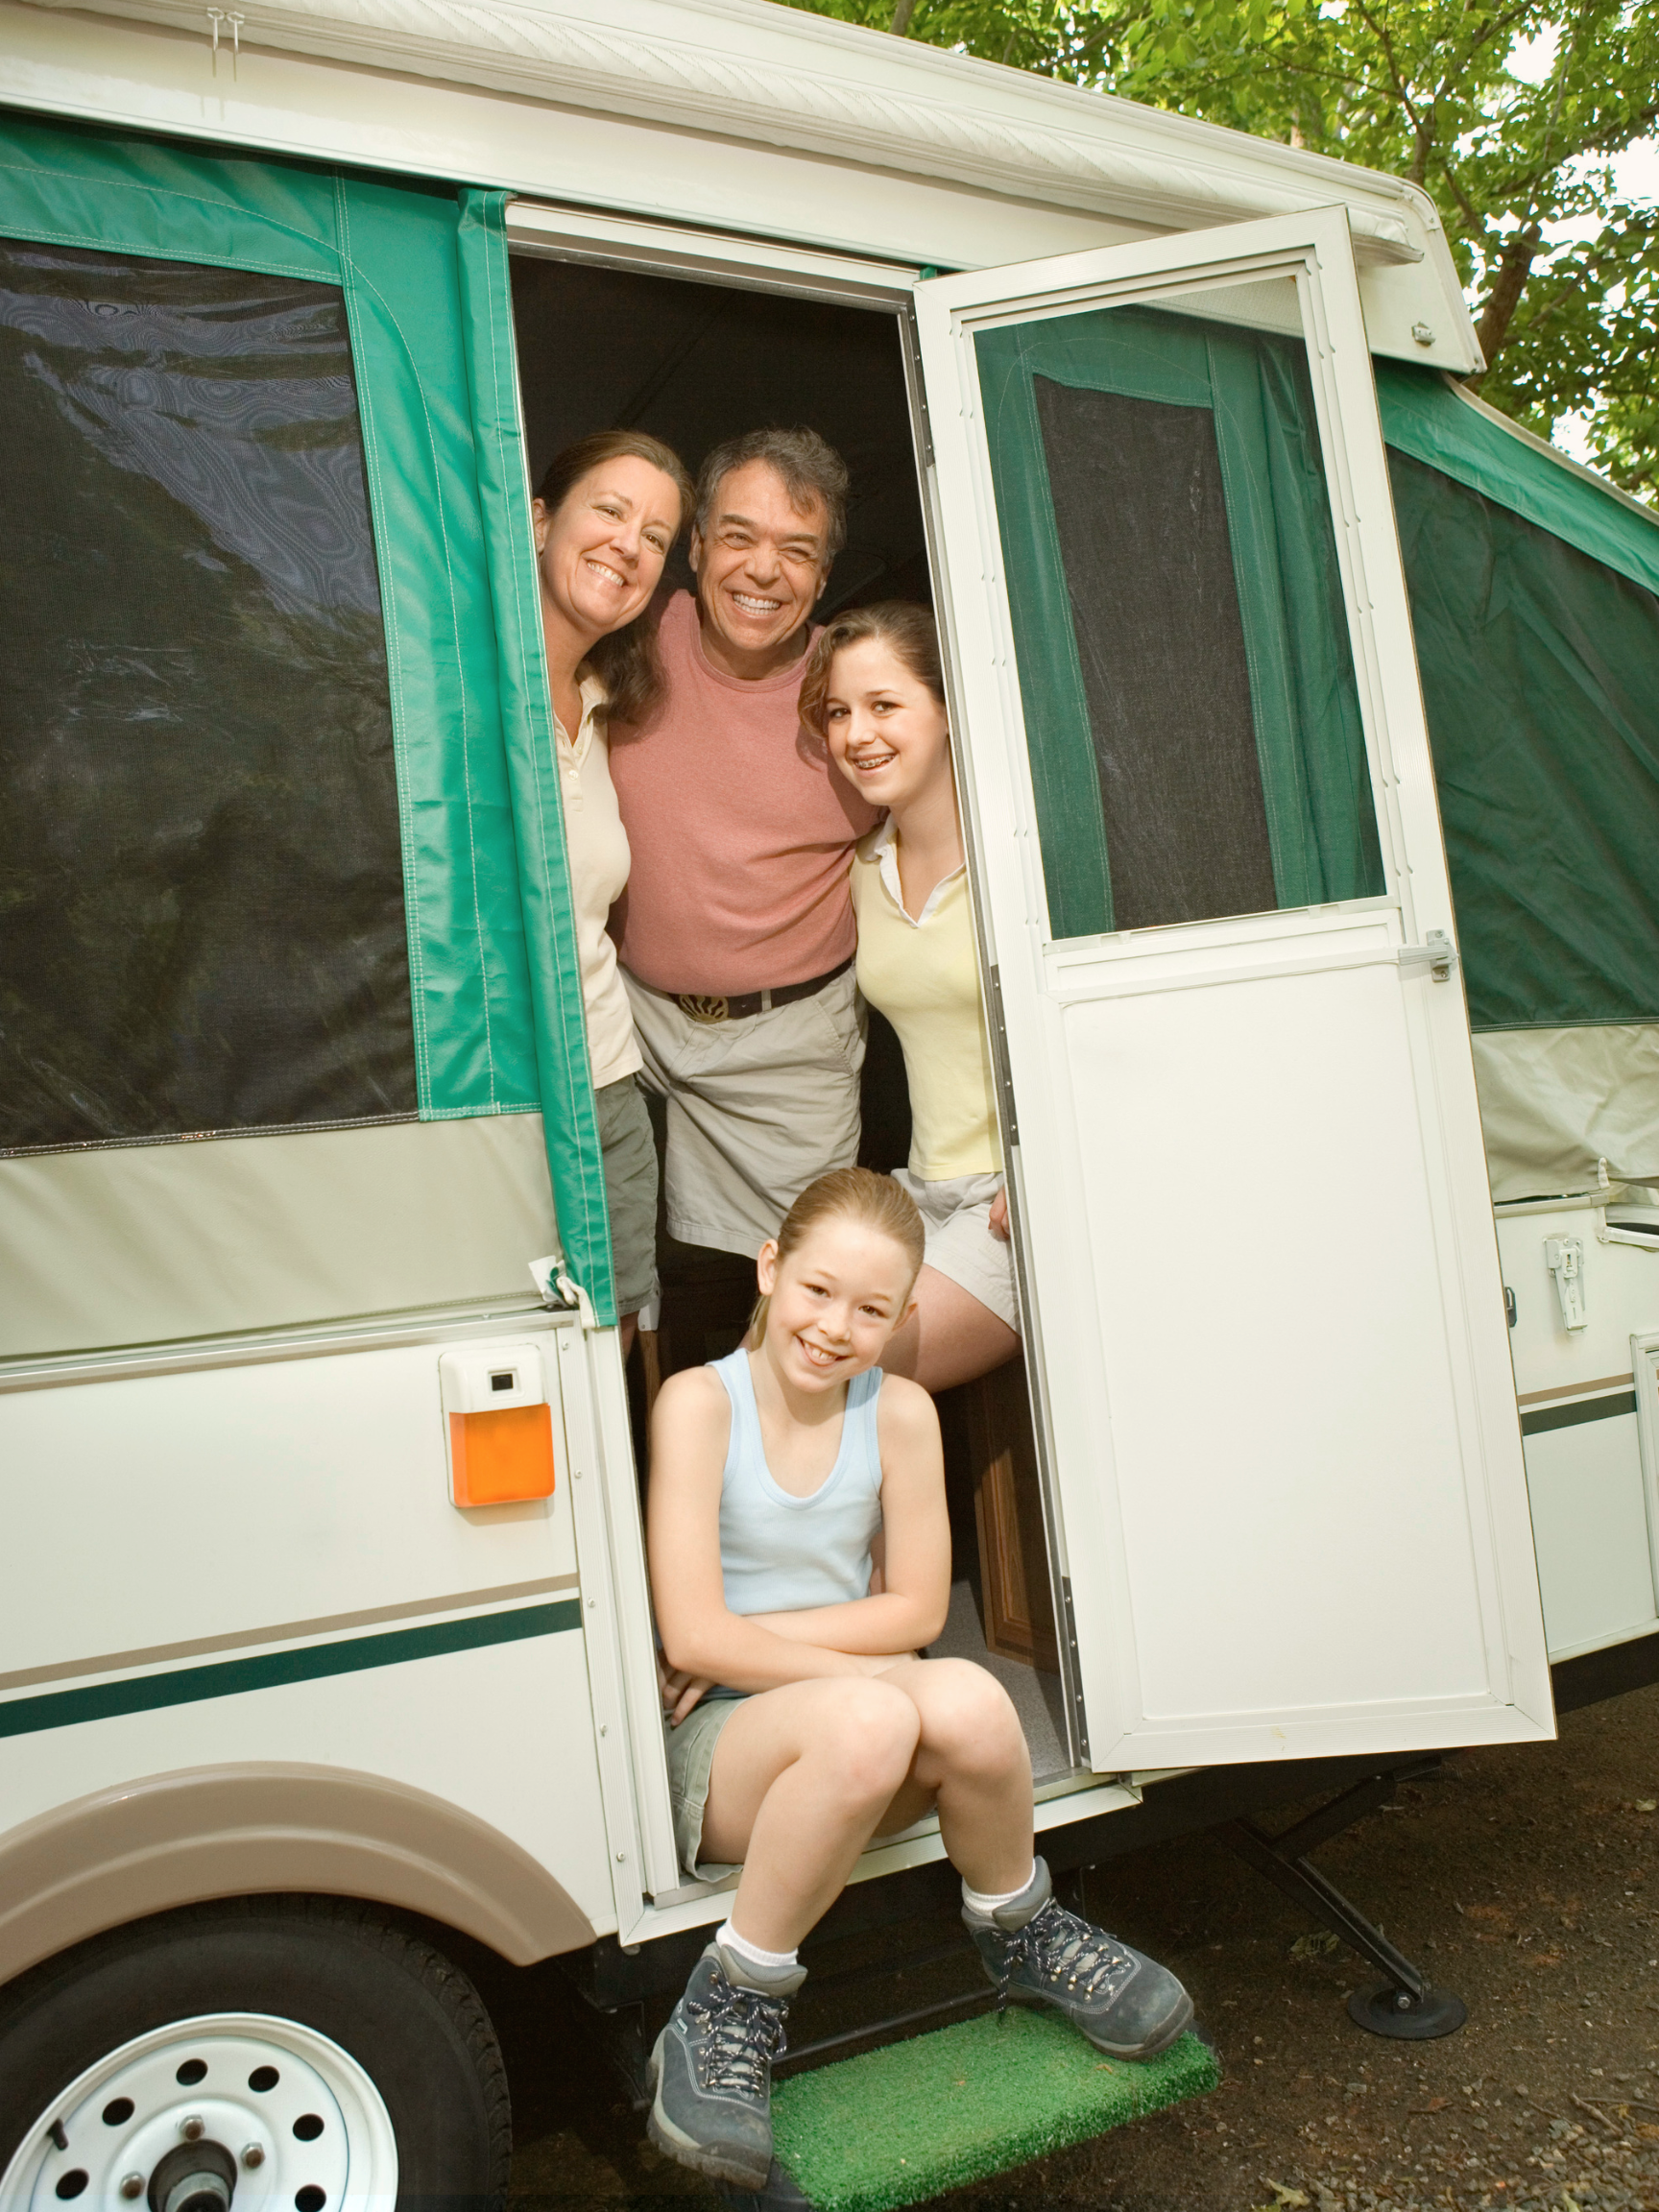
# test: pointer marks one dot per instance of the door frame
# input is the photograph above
(637, 1789)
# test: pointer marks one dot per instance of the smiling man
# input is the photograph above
(736, 933)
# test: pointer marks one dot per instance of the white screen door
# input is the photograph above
(1261, 1270)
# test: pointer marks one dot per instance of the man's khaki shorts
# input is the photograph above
(629, 1158)
(757, 1108)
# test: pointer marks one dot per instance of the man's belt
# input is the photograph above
(701, 1006)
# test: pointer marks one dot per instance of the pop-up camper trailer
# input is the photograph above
(1307, 727)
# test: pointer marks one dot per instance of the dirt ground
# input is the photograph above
(1525, 1880)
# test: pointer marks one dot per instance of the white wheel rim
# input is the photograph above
(315, 2138)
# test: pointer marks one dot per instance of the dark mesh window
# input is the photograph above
(1180, 619)
(1141, 517)
(200, 884)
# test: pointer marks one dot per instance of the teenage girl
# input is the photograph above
(873, 692)
(605, 514)
(802, 1719)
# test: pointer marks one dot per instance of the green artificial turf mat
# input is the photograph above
(905, 2123)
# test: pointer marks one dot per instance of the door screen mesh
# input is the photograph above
(1142, 515)
(202, 919)
(1191, 706)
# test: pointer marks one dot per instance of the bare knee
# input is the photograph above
(967, 1719)
(867, 1736)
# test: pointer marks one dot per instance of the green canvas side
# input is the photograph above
(1424, 416)
(568, 1115)
(1540, 669)
(1309, 739)
(400, 271)
(907, 2123)
(391, 248)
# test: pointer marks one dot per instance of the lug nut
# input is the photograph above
(132, 2184)
(193, 2128)
(255, 2154)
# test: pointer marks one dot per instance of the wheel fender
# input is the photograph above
(205, 1831)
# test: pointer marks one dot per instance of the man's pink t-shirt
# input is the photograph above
(741, 828)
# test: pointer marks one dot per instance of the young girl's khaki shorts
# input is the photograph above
(690, 1760)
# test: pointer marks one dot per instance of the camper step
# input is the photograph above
(905, 2123)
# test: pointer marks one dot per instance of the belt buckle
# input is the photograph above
(701, 1008)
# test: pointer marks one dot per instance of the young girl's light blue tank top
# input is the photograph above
(780, 1553)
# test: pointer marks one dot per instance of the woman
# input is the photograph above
(874, 692)
(802, 1722)
(607, 511)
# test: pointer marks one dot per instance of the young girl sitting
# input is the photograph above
(802, 1719)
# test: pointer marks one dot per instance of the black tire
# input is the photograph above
(410, 2018)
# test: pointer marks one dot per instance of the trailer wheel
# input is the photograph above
(261, 2054)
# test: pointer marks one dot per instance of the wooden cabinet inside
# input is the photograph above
(1019, 1610)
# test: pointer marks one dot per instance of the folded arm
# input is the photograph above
(703, 1641)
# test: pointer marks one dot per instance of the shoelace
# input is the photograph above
(1060, 1948)
(743, 2029)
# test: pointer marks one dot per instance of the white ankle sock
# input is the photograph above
(768, 1962)
(981, 1901)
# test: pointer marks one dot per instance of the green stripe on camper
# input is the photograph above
(273, 1669)
(1543, 1418)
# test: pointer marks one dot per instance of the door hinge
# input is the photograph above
(1436, 953)
(1079, 1711)
(999, 1052)
(918, 386)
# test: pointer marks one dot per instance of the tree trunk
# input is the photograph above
(902, 11)
(1505, 297)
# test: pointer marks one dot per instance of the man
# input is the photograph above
(736, 933)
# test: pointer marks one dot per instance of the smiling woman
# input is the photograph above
(608, 509)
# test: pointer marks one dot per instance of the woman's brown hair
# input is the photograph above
(625, 661)
(908, 628)
(849, 1194)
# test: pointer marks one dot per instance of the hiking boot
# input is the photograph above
(1037, 1953)
(712, 2069)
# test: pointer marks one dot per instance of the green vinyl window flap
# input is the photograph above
(1540, 669)
(389, 250)
(1425, 415)
(568, 1115)
(1183, 646)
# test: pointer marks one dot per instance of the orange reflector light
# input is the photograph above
(498, 1459)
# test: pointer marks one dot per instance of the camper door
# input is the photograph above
(1265, 1323)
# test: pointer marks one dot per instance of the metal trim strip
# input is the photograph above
(288, 1632)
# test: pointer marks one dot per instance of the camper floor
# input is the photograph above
(1036, 1695)
(1527, 1882)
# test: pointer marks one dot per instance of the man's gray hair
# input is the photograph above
(809, 466)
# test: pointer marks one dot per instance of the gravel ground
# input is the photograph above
(1525, 1879)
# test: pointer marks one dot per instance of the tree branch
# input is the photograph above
(1505, 297)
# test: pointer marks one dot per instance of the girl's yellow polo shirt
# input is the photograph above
(922, 973)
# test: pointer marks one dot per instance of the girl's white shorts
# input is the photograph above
(961, 1242)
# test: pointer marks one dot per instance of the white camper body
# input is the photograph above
(251, 1645)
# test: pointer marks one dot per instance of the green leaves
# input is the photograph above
(1509, 112)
